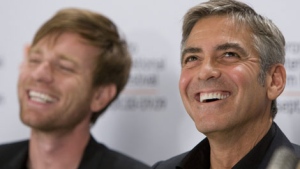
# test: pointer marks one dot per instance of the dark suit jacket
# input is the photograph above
(96, 156)
(279, 140)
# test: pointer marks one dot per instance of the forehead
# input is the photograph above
(220, 29)
(57, 38)
(68, 42)
(69, 46)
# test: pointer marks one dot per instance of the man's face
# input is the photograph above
(219, 78)
(55, 83)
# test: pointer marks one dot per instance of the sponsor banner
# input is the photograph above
(1, 72)
(290, 98)
(148, 120)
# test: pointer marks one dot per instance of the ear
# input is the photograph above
(26, 50)
(102, 96)
(276, 79)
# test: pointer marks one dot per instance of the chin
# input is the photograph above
(207, 127)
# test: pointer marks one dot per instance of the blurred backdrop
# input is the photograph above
(148, 121)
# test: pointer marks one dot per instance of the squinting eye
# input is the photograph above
(231, 54)
(190, 59)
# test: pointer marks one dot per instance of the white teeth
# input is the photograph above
(212, 96)
(40, 97)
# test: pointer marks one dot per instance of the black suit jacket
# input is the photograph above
(96, 156)
(279, 140)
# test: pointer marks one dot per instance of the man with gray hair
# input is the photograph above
(232, 63)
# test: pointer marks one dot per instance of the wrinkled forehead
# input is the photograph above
(234, 22)
(215, 31)
(227, 24)
(237, 22)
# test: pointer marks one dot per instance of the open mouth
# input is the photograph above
(40, 97)
(211, 97)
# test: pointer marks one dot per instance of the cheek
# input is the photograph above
(77, 86)
(184, 81)
(23, 76)
(25, 72)
(244, 75)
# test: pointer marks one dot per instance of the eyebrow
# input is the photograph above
(235, 46)
(221, 47)
(65, 58)
(34, 50)
(60, 56)
(190, 50)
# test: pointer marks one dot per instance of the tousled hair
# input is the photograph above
(113, 63)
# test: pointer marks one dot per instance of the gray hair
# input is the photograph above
(267, 38)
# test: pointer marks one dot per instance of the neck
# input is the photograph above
(230, 147)
(58, 149)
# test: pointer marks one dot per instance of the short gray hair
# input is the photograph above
(267, 38)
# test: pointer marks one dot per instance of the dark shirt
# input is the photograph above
(258, 157)
(96, 156)
(199, 157)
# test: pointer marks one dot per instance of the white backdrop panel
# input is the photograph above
(148, 121)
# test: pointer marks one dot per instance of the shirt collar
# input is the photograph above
(199, 156)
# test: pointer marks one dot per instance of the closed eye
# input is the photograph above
(66, 65)
(65, 68)
(34, 60)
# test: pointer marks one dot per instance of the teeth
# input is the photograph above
(40, 97)
(212, 96)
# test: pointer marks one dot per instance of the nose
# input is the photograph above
(43, 73)
(208, 70)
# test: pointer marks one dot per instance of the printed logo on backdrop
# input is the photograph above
(1, 99)
(1, 69)
(142, 90)
(292, 65)
(290, 99)
(1, 61)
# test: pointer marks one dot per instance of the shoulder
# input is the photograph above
(170, 163)
(12, 148)
(282, 140)
(297, 150)
(13, 152)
